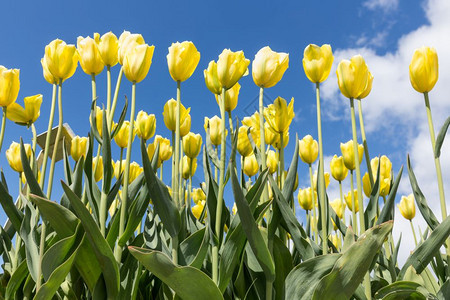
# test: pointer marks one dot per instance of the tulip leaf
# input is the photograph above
(370, 213)
(444, 291)
(283, 266)
(28, 233)
(15, 282)
(194, 248)
(402, 290)
(121, 119)
(93, 120)
(162, 201)
(76, 183)
(14, 215)
(425, 252)
(387, 213)
(102, 251)
(350, 269)
(209, 148)
(422, 204)
(440, 138)
(106, 154)
(187, 282)
(29, 175)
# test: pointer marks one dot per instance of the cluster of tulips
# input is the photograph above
(119, 232)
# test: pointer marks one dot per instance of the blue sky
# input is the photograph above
(376, 28)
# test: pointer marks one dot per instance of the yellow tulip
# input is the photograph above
(90, 58)
(182, 60)
(352, 76)
(338, 207)
(326, 175)
(78, 147)
(123, 134)
(9, 85)
(272, 161)
(165, 150)
(366, 185)
(151, 150)
(189, 167)
(231, 66)
(277, 141)
(231, 97)
(348, 200)
(305, 199)
(61, 59)
(192, 144)
(198, 209)
(24, 178)
(46, 72)
(385, 175)
(270, 136)
(198, 195)
(99, 120)
(244, 146)
(145, 125)
(97, 168)
(424, 69)
(169, 114)
(308, 149)
(185, 126)
(336, 241)
(13, 156)
(349, 154)
(279, 115)
(134, 171)
(338, 169)
(108, 45)
(368, 88)
(128, 41)
(137, 62)
(28, 114)
(212, 79)
(407, 207)
(250, 165)
(253, 123)
(268, 67)
(317, 62)
(215, 133)
(234, 209)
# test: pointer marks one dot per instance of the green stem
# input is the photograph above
(172, 184)
(2, 132)
(48, 136)
(176, 157)
(161, 171)
(15, 261)
(108, 95)
(94, 88)
(352, 194)
(413, 231)
(313, 198)
(320, 176)
(230, 119)
(262, 139)
(175, 250)
(281, 161)
(116, 93)
(366, 147)
(342, 200)
(123, 211)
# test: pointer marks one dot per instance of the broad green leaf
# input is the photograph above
(106, 154)
(401, 290)
(387, 213)
(444, 291)
(194, 248)
(121, 119)
(188, 282)
(370, 213)
(28, 233)
(440, 138)
(16, 280)
(29, 174)
(283, 266)
(14, 215)
(130, 270)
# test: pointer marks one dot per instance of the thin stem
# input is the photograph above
(33, 131)
(94, 88)
(47, 138)
(230, 119)
(173, 168)
(342, 200)
(2, 131)
(123, 211)
(175, 189)
(116, 93)
(262, 139)
(366, 147)
(414, 232)
(161, 171)
(281, 161)
(108, 95)
(352, 194)
(313, 198)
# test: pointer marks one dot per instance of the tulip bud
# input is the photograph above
(123, 134)
(366, 185)
(348, 200)
(151, 150)
(407, 207)
(231, 66)
(250, 165)
(279, 115)
(99, 120)
(145, 125)
(268, 67)
(349, 154)
(244, 146)
(308, 149)
(253, 123)
(352, 76)
(212, 79)
(97, 167)
(185, 126)
(128, 41)
(46, 72)
(78, 147)
(61, 59)
(134, 171)
(198, 209)
(385, 174)
(189, 167)
(192, 144)
(368, 88)
(270, 136)
(108, 45)
(424, 69)
(317, 62)
(28, 114)
(182, 60)
(215, 133)
(277, 143)
(231, 97)
(338, 169)
(304, 198)
(326, 175)
(338, 207)
(9, 85)
(165, 150)
(198, 195)
(272, 161)
(13, 156)
(90, 59)
(137, 62)
(169, 114)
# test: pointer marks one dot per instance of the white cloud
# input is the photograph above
(385, 5)
(396, 110)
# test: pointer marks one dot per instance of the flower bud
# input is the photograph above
(231, 97)
(123, 134)
(198, 195)
(407, 207)
(61, 59)
(348, 200)
(244, 146)
(9, 85)
(99, 120)
(128, 41)
(424, 69)
(336, 241)
(272, 161)
(308, 149)
(182, 60)
(352, 76)
(250, 165)
(198, 209)
(338, 169)
(253, 123)
(338, 207)
(279, 115)
(137, 62)
(317, 62)
(189, 167)
(349, 154)
(108, 46)
(13, 156)
(165, 150)
(97, 167)
(169, 114)
(368, 88)
(305, 198)
(234, 209)
(185, 126)
(212, 79)
(28, 114)
(231, 66)
(215, 133)
(270, 136)
(145, 125)
(192, 144)
(90, 59)
(78, 147)
(46, 72)
(268, 67)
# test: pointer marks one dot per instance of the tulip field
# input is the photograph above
(115, 227)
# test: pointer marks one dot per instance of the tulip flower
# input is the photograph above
(78, 147)
(182, 60)
(231, 97)
(348, 154)
(198, 195)
(385, 176)
(338, 207)
(424, 69)
(46, 72)
(368, 88)
(305, 198)
(214, 129)
(234, 209)
(327, 179)
(135, 170)
(9, 86)
(169, 114)
(108, 46)
(97, 168)
(308, 149)
(244, 146)
(189, 167)
(317, 62)
(61, 59)
(198, 209)
(250, 165)
(338, 169)
(277, 142)
(123, 134)
(231, 66)
(254, 123)
(128, 41)
(270, 136)
(137, 62)
(353, 76)
(185, 127)
(145, 125)
(99, 120)
(192, 144)
(336, 241)
(272, 161)
(13, 156)
(268, 67)
(407, 207)
(165, 150)
(279, 115)
(212, 79)
(349, 199)
(90, 58)
(28, 114)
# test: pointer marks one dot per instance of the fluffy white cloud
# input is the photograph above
(381, 4)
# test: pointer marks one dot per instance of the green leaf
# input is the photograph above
(101, 248)
(387, 213)
(194, 248)
(121, 119)
(444, 291)
(29, 175)
(106, 153)
(370, 213)
(14, 215)
(283, 266)
(28, 233)
(16, 280)
(188, 282)
(93, 120)
(400, 290)
(351, 267)
(440, 138)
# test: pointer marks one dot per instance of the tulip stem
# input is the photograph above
(262, 139)
(33, 131)
(123, 210)
(176, 157)
(320, 176)
(47, 138)
(231, 122)
(281, 161)
(342, 200)
(94, 88)
(161, 171)
(414, 232)
(366, 147)
(2, 133)
(116, 93)
(353, 200)
(172, 185)
(313, 198)
(108, 95)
